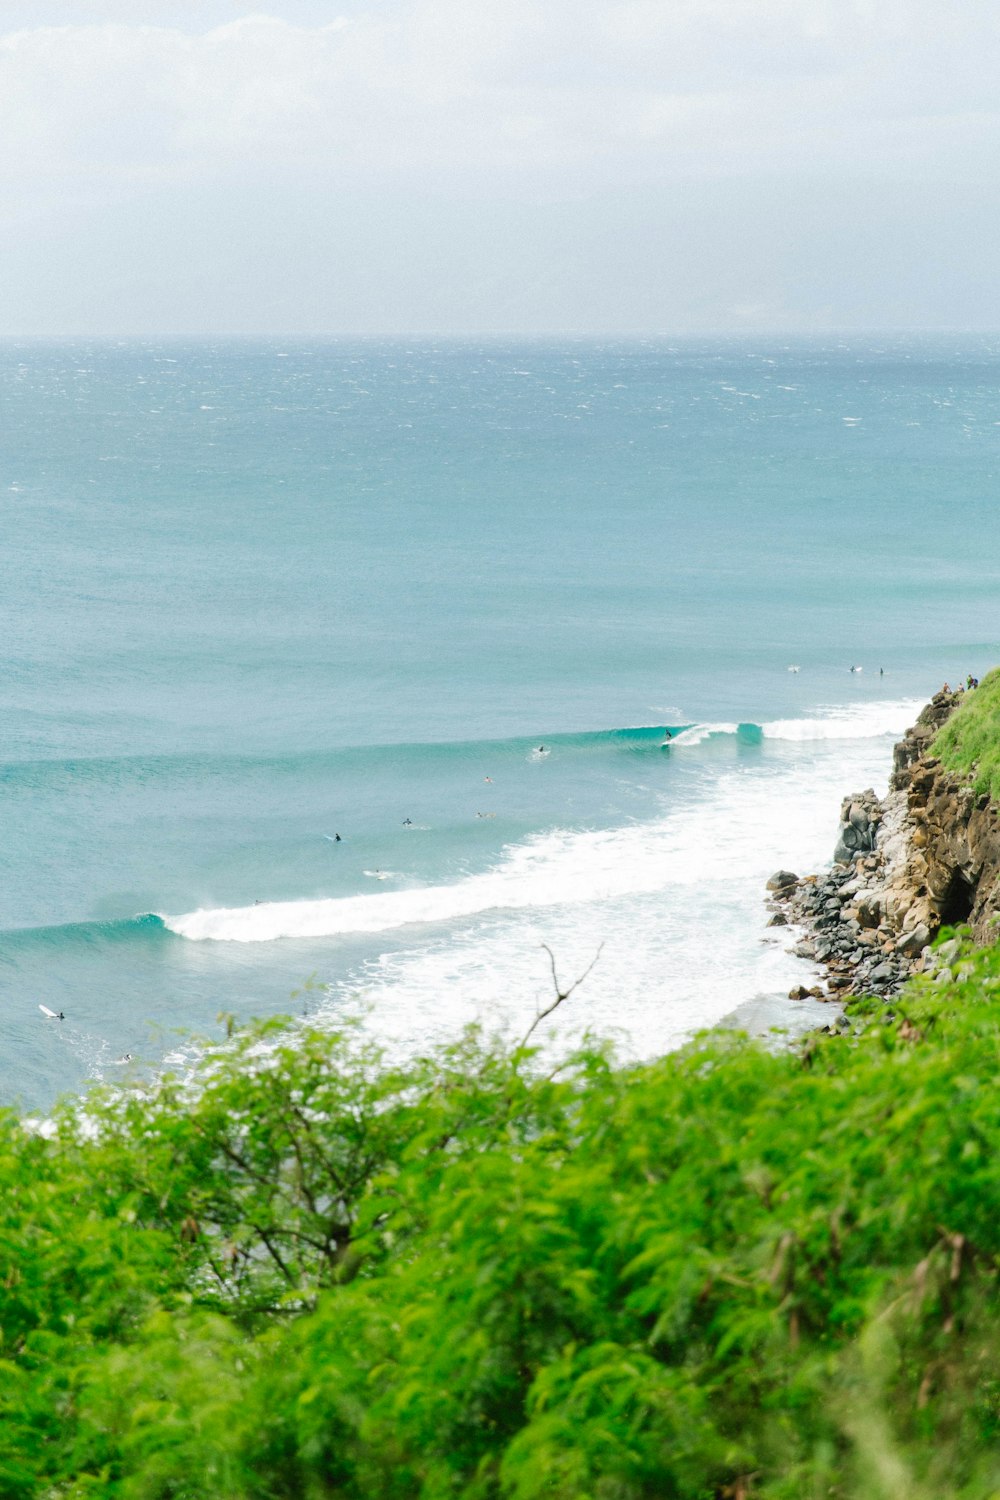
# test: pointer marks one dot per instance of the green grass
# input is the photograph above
(970, 740)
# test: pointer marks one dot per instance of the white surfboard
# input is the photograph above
(46, 1012)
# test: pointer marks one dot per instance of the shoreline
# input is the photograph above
(868, 920)
(782, 1019)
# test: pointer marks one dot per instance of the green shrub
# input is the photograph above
(730, 1273)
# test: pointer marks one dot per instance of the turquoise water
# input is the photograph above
(259, 594)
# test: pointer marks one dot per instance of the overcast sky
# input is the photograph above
(464, 166)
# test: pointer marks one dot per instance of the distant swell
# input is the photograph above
(147, 927)
(183, 771)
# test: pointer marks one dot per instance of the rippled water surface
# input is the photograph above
(446, 601)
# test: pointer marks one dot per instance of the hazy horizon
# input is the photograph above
(404, 167)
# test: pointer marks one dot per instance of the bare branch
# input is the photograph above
(561, 994)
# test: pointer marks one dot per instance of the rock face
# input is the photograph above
(925, 857)
(859, 820)
(946, 857)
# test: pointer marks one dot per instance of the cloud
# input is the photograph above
(593, 89)
(496, 163)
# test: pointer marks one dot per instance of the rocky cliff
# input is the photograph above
(925, 856)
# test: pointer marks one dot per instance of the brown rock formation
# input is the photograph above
(924, 857)
(943, 858)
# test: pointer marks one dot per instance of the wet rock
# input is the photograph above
(782, 880)
(778, 920)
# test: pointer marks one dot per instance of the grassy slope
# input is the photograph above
(970, 740)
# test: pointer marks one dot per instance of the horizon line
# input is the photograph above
(619, 335)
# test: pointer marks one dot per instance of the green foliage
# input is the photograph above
(969, 741)
(306, 1272)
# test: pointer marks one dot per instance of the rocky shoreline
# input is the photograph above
(927, 855)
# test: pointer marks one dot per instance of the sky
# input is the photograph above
(466, 167)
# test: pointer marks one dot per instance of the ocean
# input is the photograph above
(445, 600)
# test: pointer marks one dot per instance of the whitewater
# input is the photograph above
(562, 868)
(321, 661)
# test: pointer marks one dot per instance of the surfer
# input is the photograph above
(407, 822)
(337, 838)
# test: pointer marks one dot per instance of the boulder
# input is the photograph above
(850, 842)
(782, 880)
(912, 942)
(869, 909)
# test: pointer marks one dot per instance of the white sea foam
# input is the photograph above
(858, 721)
(698, 733)
(678, 906)
(580, 869)
(550, 869)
